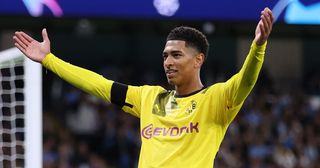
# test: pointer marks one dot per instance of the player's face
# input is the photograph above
(179, 62)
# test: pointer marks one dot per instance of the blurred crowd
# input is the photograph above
(276, 128)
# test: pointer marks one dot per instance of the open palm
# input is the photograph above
(33, 49)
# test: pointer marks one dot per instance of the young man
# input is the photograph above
(179, 128)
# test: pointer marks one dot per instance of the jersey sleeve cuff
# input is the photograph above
(46, 60)
(259, 48)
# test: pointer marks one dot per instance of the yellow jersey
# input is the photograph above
(176, 131)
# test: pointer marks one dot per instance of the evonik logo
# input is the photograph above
(149, 131)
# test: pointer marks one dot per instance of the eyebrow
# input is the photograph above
(173, 52)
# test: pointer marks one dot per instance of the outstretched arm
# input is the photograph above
(127, 97)
(240, 85)
(83, 79)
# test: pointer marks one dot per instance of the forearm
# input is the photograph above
(81, 78)
(249, 72)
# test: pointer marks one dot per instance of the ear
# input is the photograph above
(199, 59)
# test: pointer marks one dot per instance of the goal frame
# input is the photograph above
(33, 107)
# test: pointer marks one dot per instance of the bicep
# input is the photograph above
(237, 89)
(131, 101)
(220, 98)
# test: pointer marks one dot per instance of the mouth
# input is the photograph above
(171, 73)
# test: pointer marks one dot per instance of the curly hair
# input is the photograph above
(193, 38)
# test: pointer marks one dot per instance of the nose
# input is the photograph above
(168, 62)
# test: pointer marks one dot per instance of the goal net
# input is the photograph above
(20, 111)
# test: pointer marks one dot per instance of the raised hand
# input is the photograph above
(30, 47)
(264, 26)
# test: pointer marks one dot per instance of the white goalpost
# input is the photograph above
(20, 111)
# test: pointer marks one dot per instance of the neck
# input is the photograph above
(188, 88)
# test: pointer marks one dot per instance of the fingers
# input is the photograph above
(20, 43)
(266, 22)
(21, 39)
(27, 37)
(45, 35)
(268, 13)
(22, 49)
(269, 16)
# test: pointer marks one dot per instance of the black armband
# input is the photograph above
(119, 94)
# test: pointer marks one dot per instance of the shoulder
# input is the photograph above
(217, 87)
(147, 89)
